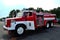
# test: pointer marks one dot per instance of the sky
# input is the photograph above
(7, 5)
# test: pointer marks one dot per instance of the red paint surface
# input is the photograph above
(8, 23)
(30, 18)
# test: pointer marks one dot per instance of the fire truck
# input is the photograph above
(29, 20)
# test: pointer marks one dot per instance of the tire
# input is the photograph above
(52, 24)
(20, 31)
(47, 25)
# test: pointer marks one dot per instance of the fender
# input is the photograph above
(29, 24)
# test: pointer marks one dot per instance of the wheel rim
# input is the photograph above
(20, 30)
(47, 25)
(51, 24)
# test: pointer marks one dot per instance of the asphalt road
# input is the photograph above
(47, 34)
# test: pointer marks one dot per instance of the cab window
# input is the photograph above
(30, 13)
(27, 14)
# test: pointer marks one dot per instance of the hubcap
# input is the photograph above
(20, 30)
(47, 25)
(51, 24)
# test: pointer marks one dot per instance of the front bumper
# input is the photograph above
(8, 28)
(5, 28)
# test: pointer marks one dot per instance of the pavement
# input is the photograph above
(46, 34)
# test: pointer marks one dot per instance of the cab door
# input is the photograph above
(30, 16)
(30, 21)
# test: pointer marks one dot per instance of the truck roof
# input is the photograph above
(28, 11)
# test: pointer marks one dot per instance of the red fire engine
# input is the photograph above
(29, 20)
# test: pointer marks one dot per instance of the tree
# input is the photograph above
(39, 10)
(13, 13)
(17, 10)
(56, 11)
(0, 19)
(46, 11)
(31, 8)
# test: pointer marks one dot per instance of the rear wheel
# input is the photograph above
(52, 24)
(47, 25)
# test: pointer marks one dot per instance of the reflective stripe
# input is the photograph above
(49, 18)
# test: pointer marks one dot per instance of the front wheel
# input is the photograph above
(20, 30)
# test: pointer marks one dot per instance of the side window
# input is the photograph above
(27, 14)
(30, 13)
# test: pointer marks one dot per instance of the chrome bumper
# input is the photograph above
(8, 28)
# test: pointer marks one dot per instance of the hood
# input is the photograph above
(16, 18)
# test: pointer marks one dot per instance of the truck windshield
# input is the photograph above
(20, 14)
(27, 14)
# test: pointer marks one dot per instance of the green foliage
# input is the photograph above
(56, 11)
(17, 10)
(13, 13)
(0, 19)
(31, 8)
(46, 11)
(53, 11)
(39, 10)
